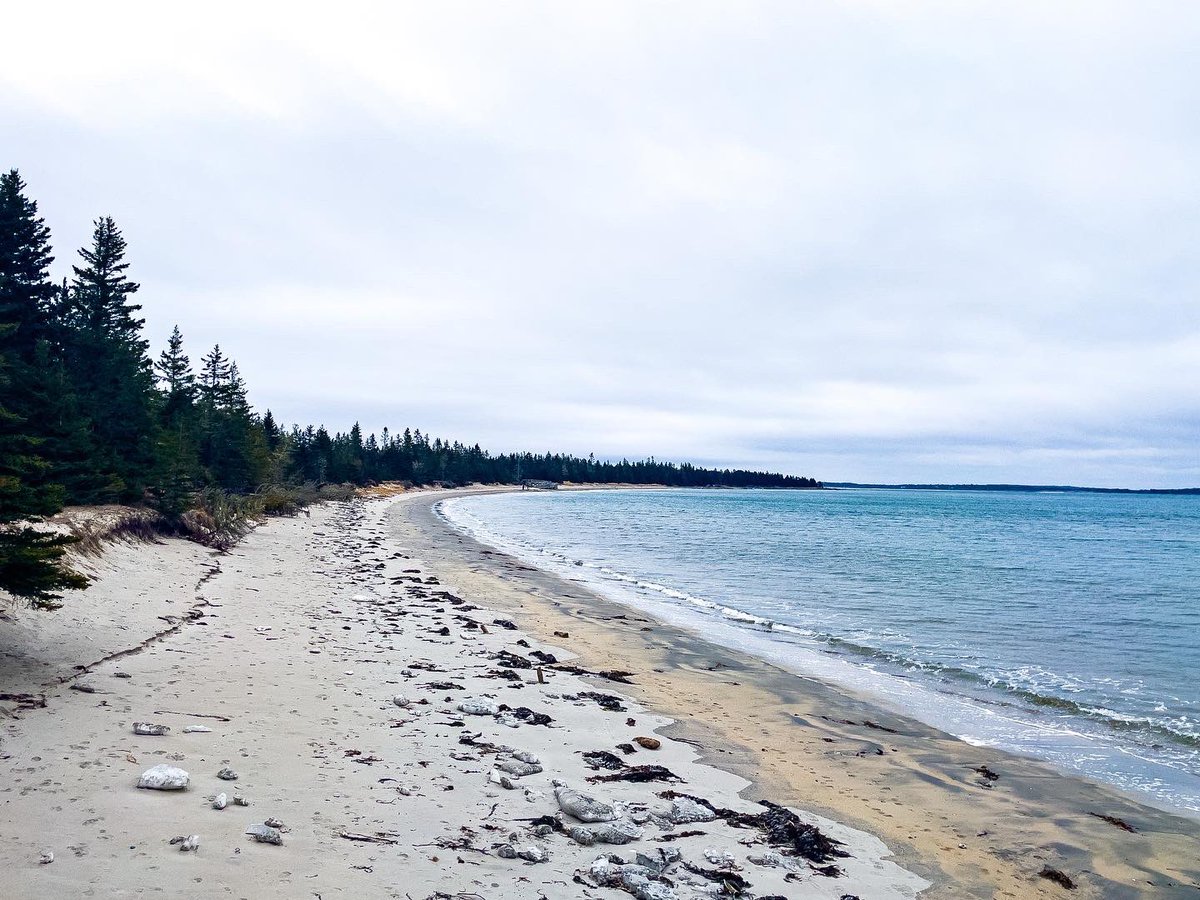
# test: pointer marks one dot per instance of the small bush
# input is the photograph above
(220, 519)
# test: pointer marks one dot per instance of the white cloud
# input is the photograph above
(951, 241)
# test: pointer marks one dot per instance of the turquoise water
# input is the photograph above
(1063, 626)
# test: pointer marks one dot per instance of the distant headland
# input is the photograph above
(1013, 488)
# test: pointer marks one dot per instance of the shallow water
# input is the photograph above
(1063, 626)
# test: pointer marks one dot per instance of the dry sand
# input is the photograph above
(292, 647)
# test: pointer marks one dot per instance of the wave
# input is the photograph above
(1025, 689)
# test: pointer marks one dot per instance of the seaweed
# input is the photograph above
(603, 759)
(781, 827)
(639, 774)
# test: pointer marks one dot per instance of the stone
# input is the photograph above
(164, 778)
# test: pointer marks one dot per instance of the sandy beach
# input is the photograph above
(398, 705)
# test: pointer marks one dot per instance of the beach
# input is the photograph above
(379, 684)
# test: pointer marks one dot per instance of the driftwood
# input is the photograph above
(26, 701)
(171, 712)
(379, 837)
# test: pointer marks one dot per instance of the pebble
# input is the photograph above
(265, 834)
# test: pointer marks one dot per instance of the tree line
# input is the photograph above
(89, 416)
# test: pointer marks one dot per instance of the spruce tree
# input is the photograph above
(26, 292)
(107, 358)
(178, 457)
(174, 371)
(31, 561)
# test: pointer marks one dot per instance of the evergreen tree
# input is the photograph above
(31, 564)
(107, 358)
(31, 561)
(26, 292)
(178, 461)
(174, 371)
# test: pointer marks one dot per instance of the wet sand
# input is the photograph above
(806, 743)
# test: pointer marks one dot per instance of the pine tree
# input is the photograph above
(174, 371)
(178, 460)
(271, 432)
(106, 356)
(26, 292)
(31, 561)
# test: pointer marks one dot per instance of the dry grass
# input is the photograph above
(384, 489)
(91, 527)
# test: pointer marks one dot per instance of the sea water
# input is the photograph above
(1064, 626)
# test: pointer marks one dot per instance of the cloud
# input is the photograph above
(864, 241)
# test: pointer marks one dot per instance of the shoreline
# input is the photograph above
(1033, 815)
(968, 710)
(291, 648)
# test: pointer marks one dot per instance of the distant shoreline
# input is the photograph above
(1014, 488)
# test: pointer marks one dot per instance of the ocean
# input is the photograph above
(1063, 626)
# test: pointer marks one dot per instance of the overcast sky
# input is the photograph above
(941, 241)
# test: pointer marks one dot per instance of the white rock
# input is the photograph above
(519, 769)
(479, 706)
(618, 832)
(264, 834)
(196, 729)
(526, 850)
(150, 729)
(720, 858)
(163, 778)
(685, 810)
(771, 861)
(633, 879)
(495, 777)
(583, 807)
(46, 858)
(221, 801)
(659, 859)
(402, 701)
(191, 842)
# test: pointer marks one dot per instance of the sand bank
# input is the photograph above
(293, 648)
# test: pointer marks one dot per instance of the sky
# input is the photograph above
(869, 241)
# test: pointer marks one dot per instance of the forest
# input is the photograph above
(88, 415)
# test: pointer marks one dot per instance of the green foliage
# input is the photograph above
(26, 292)
(31, 561)
(105, 352)
(31, 565)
